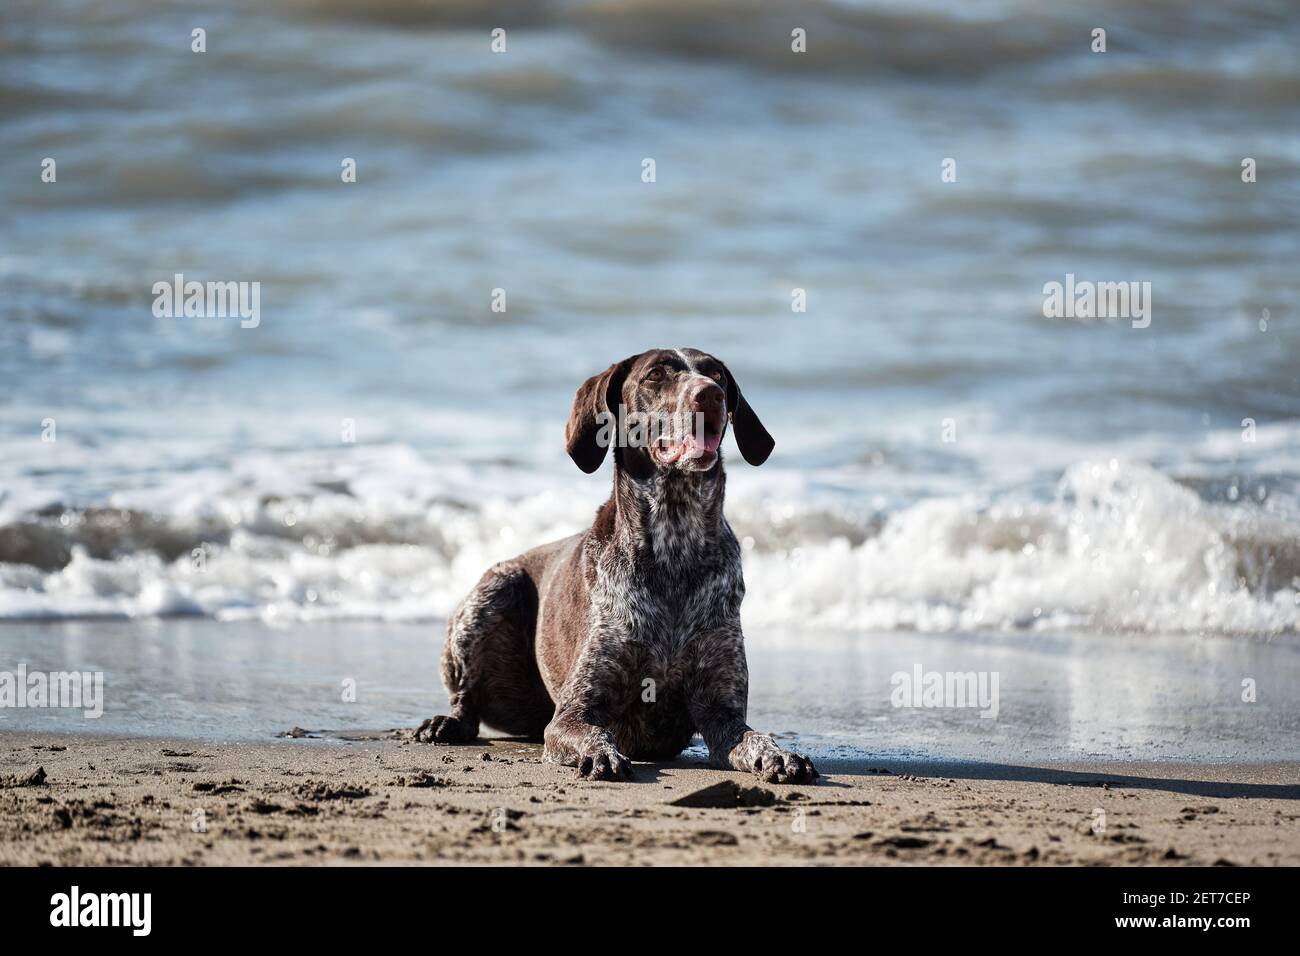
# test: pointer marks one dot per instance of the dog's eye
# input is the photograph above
(716, 376)
(656, 374)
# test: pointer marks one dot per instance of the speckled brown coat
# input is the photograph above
(622, 642)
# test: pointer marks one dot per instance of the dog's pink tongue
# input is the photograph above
(695, 446)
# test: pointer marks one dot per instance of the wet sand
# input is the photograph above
(384, 799)
(1063, 697)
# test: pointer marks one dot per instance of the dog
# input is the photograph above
(623, 642)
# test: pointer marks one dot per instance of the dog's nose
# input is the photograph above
(707, 397)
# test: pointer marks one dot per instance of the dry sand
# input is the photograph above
(385, 799)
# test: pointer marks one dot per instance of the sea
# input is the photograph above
(456, 212)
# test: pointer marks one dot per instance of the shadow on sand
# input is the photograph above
(1100, 777)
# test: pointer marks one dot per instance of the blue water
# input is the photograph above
(1100, 475)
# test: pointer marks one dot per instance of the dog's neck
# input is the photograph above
(672, 517)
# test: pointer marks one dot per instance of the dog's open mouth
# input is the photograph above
(699, 445)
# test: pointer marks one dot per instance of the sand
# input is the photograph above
(384, 799)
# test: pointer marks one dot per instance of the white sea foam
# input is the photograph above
(1120, 547)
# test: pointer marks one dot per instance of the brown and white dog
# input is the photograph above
(623, 641)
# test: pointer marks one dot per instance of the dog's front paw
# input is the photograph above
(783, 766)
(604, 763)
(759, 754)
(445, 729)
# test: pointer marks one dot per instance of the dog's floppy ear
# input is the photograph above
(598, 394)
(752, 438)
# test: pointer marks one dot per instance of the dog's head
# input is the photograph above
(665, 409)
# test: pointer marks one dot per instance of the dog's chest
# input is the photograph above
(656, 622)
(663, 614)
(658, 649)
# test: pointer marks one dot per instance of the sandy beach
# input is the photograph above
(382, 798)
(1098, 756)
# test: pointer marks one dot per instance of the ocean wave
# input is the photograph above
(936, 38)
(431, 13)
(930, 39)
(1121, 547)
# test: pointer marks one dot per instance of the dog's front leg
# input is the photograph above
(576, 735)
(718, 703)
